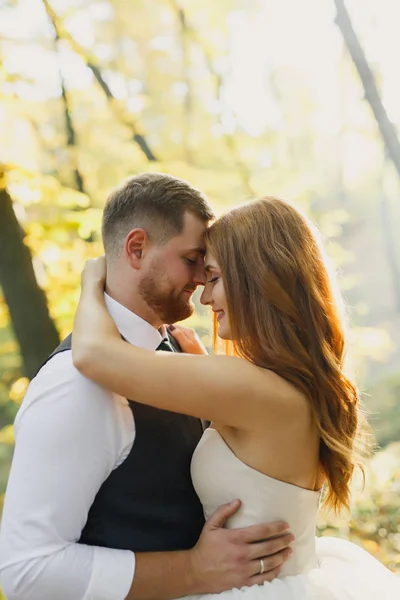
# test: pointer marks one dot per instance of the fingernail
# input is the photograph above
(171, 327)
(290, 552)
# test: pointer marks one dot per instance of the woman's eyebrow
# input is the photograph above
(198, 249)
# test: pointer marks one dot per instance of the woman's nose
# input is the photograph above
(205, 297)
(200, 275)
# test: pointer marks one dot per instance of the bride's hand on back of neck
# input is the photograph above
(94, 273)
(93, 325)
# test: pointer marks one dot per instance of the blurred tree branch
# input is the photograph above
(35, 331)
(372, 95)
(125, 119)
(390, 247)
(71, 133)
(71, 140)
(228, 138)
(188, 99)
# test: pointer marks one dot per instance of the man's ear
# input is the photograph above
(135, 244)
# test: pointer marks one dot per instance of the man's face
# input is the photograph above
(171, 272)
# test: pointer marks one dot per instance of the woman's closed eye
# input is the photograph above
(213, 279)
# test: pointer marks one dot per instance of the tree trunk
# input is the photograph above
(386, 127)
(33, 327)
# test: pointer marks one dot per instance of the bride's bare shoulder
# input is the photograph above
(271, 385)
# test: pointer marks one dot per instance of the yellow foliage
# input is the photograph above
(4, 314)
(8, 348)
(67, 198)
(371, 547)
(18, 389)
(374, 520)
(7, 435)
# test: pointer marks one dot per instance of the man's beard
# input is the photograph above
(166, 305)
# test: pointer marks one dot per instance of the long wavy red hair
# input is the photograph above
(285, 316)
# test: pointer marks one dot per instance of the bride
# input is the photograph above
(285, 419)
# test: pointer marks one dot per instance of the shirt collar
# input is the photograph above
(133, 328)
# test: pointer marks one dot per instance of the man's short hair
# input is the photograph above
(155, 202)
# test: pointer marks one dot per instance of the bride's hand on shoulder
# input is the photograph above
(187, 339)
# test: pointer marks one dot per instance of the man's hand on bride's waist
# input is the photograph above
(232, 558)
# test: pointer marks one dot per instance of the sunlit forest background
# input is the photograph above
(241, 97)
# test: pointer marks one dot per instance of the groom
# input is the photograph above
(100, 503)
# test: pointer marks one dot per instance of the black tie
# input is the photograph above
(166, 346)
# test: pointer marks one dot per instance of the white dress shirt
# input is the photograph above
(70, 435)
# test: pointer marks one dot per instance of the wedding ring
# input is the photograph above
(262, 566)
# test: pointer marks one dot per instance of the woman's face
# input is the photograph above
(214, 296)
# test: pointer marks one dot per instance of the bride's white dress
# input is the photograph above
(320, 568)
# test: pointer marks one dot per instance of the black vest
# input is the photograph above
(148, 503)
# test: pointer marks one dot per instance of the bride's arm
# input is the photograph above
(224, 389)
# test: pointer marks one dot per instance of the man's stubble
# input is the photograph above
(167, 304)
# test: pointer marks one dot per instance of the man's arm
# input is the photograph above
(65, 449)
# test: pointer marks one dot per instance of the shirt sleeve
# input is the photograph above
(68, 440)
